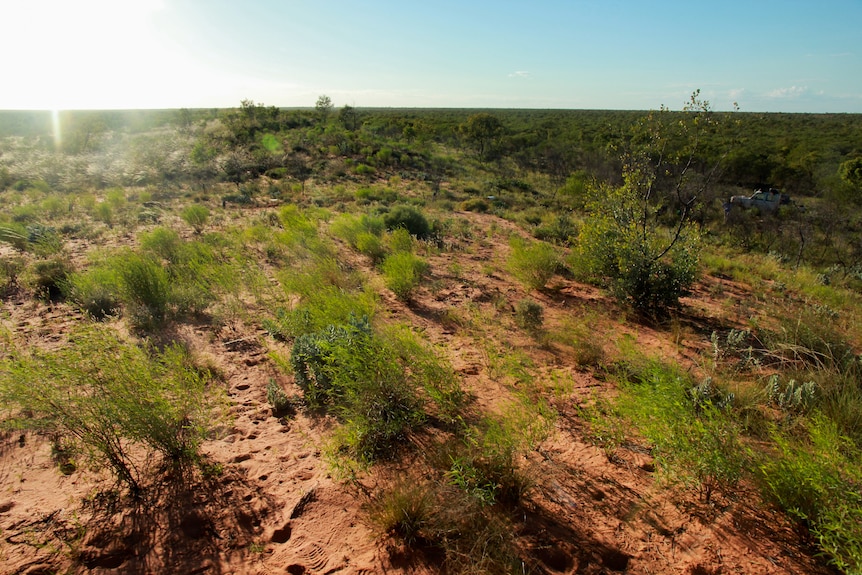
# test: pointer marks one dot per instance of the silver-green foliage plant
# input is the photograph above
(793, 396)
(108, 395)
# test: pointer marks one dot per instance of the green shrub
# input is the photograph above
(529, 315)
(145, 287)
(328, 295)
(818, 481)
(109, 395)
(103, 212)
(429, 371)
(196, 216)
(362, 233)
(96, 291)
(409, 218)
(400, 240)
(646, 266)
(402, 273)
(561, 231)
(349, 370)
(311, 359)
(695, 441)
(475, 205)
(533, 264)
(50, 277)
(163, 242)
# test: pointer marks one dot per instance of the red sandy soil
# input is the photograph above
(277, 508)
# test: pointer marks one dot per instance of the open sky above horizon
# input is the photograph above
(766, 55)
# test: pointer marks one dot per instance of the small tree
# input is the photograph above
(323, 107)
(482, 130)
(349, 118)
(639, 236)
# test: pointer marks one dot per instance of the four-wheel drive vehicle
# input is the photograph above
(764, 201)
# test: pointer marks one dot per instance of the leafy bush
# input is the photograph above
(646, 266)
(402, 273)
(357, 375)
(533, 264)
(409, 218)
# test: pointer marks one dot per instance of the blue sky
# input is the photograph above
(773, 56)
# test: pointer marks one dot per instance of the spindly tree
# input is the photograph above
(639, 237)
(323, 107)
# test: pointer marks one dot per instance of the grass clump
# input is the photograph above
(145, 287)
(403, 272)
(196, 216)
(532, 264)
(818, 480)
(50, 277)
(95, 291)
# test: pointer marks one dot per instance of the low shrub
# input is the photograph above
(409, 218)
(529, 315)
(50, 277)
(403, 272)
(533, 264)
(350, 371)
(109, 395)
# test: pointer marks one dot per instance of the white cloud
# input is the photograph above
(519, 74)
(791, 92)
